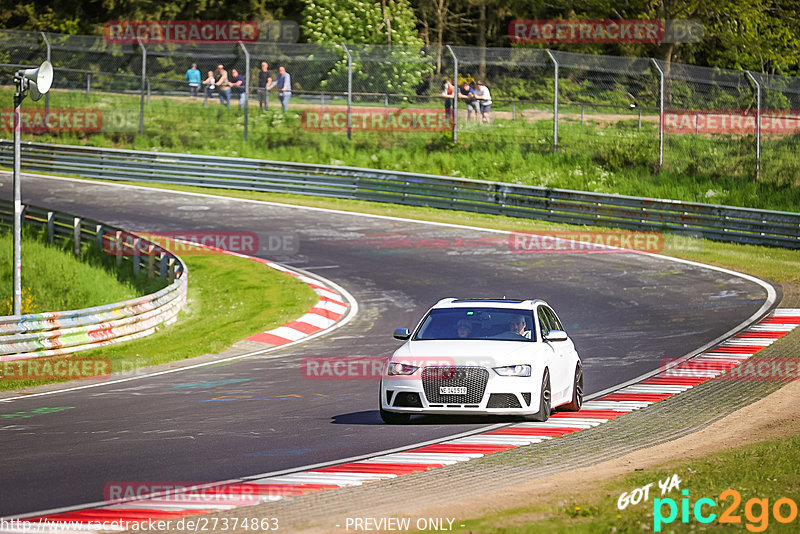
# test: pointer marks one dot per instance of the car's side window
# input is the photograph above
(544, 321)
(556, 324)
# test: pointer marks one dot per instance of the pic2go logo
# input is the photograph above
(756, 511)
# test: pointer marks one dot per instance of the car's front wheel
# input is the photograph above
(577, 391)
(544, 401)
(394, 418)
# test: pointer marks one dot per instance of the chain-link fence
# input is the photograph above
(620, 111)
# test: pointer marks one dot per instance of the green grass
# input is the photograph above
(766, 470)
(54, 280)
(229, 299)
(608, 157)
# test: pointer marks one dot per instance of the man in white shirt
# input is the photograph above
(485, 99)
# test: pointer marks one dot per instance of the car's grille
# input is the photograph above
(473, 378)
(503, 400)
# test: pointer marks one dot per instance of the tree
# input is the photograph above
(388, 52)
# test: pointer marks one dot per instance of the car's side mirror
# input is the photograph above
(555, 335)
(403, 334)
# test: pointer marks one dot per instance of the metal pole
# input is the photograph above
(660, 112)
(19, 95)
(246, 86)
(758, 122)
(88, 85)
(349, 91)
(47, 96)
(455, 94)
(144, 87)
(555, 101)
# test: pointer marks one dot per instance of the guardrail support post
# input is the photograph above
(51, 230)
(246, 86)
(758, 122)
(455, 94)
(349, 92)
(151, 261)
(144, 87)
(660, 112)
(76, 237)
(162, 268)
(171, 268)
(98, 235)
(555, 100)
(136, 256)
(118, 246)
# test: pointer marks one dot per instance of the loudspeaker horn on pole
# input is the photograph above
(39, 79)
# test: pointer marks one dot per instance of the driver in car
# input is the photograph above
(464, 329)
(517, 325)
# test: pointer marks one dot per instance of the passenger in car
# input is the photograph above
(464, 328)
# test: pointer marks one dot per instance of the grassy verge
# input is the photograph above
(53, 279)
(763, 471)
(614, 155)
(229, 299)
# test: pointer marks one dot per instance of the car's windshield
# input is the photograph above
(478, 323)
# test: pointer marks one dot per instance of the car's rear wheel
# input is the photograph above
(394, 418)
(577, 391)
(544, 401)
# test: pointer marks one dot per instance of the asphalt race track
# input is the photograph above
(625, 312)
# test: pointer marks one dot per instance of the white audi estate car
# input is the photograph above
(481, 356)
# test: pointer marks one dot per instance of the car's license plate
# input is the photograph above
(450, 390)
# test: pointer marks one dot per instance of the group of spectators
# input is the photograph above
(478, 100)
(226, 86)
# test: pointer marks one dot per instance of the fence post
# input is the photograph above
(514, 110)
(555, 100)
(99, 236)
(246, 86)
(144, 87)
(119, 247)
(151, 261)
(349, 91)
(88, 85)
(76, 236)
(47, 95)
(758, 122)
(660, 112)
(455, 93)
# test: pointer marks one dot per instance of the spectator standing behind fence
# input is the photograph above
(468, 93)
(193, 77)
(238, 88)
(264, 81)
(448, 93)
(223, 86)
(209, 83)
(484, 97)
(284, 85)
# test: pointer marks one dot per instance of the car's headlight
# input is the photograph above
(399, 368)
(513, 370)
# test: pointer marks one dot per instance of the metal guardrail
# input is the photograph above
(722, 223)
(53, 333)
